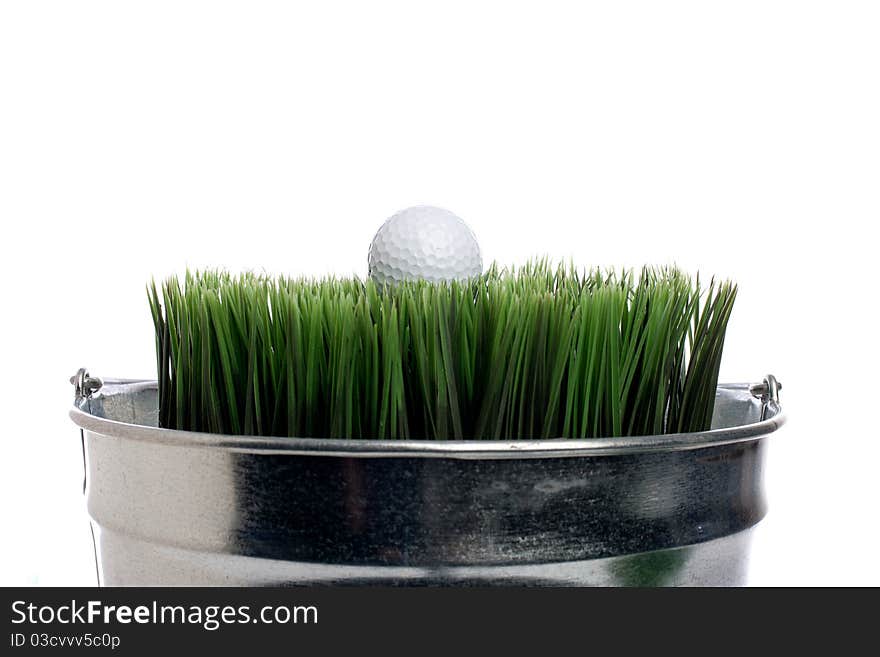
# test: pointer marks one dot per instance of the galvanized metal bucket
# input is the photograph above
(184, 508)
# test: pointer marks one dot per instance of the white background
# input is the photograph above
(737, 138)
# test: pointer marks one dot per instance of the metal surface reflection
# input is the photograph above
(172, 507)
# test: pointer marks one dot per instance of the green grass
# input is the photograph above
(537, 352)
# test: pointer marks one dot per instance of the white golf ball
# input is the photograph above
(424, 242)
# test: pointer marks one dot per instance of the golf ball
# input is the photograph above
(424, 242)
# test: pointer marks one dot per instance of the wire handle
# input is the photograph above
(767, 391)
(85, 385)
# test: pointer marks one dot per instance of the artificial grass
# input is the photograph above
(541, 351)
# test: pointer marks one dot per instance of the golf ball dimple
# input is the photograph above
(424, 242)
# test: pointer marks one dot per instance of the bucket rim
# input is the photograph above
(457, 449)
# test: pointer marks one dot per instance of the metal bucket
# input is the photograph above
(183, 508)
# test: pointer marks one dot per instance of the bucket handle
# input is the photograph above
(84, 385)
(768, 392)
